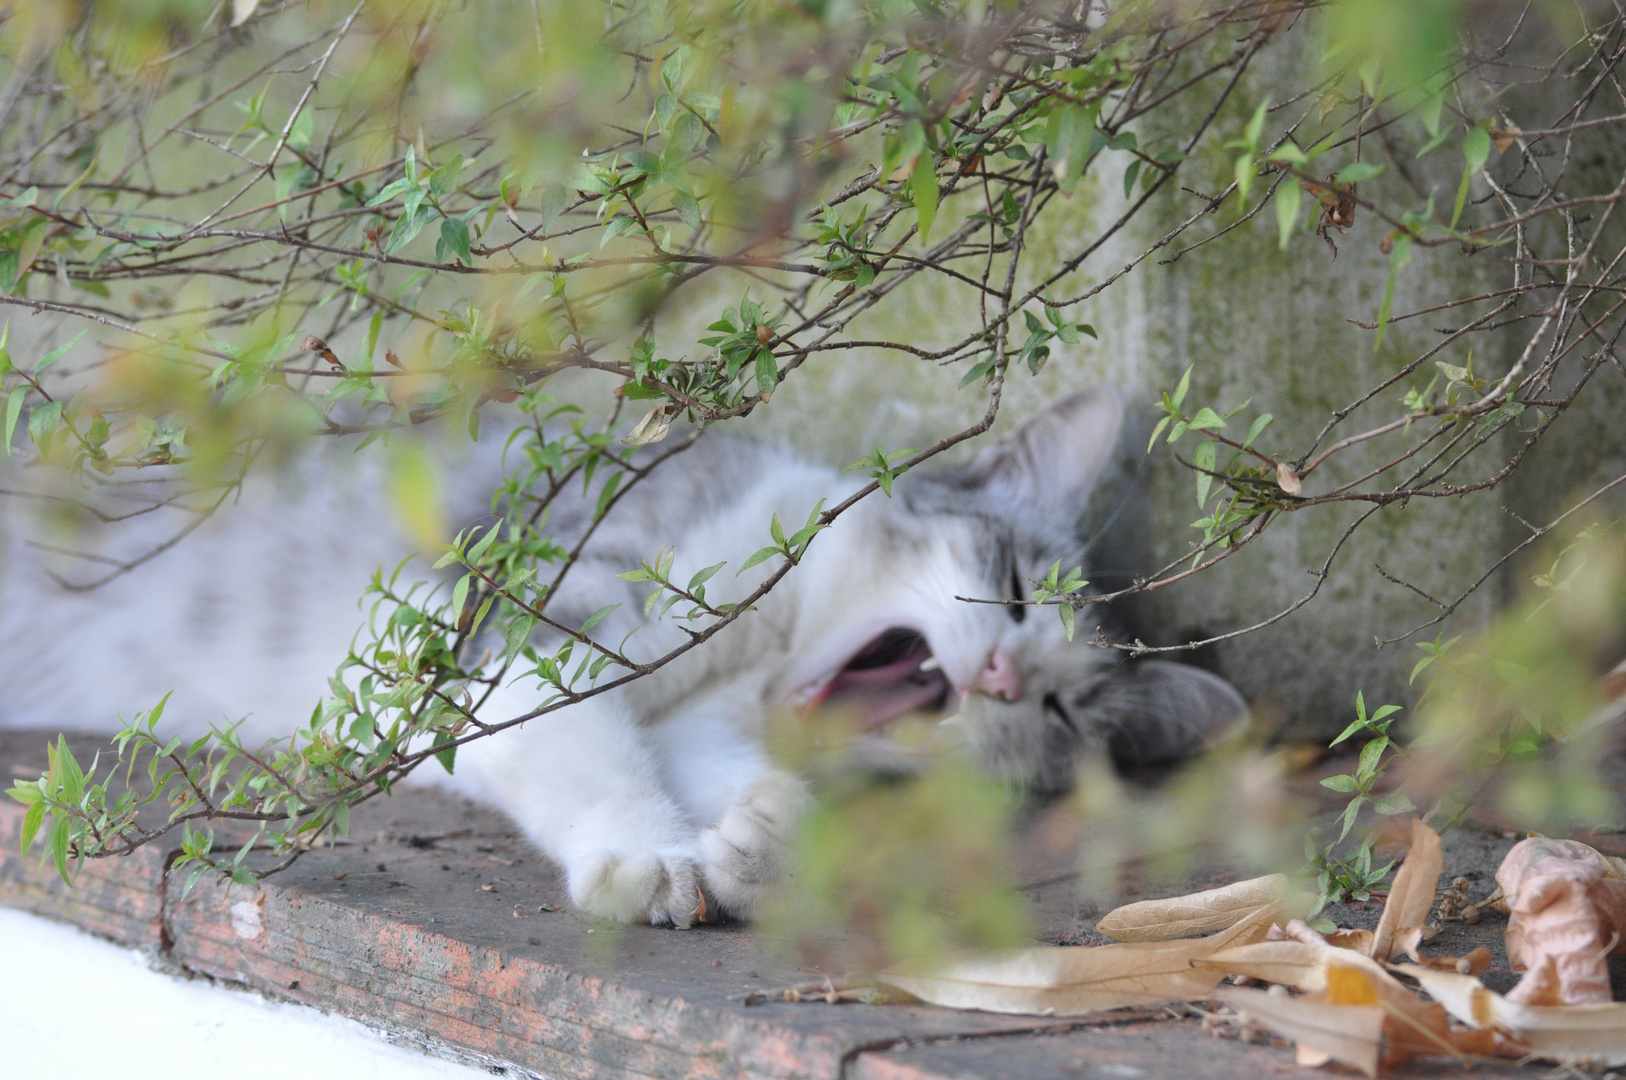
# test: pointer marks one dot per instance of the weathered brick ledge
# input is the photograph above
(435, 918)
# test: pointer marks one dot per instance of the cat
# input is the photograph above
(662, 792)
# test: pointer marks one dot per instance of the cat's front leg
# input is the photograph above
(747, 856)
(585, 787)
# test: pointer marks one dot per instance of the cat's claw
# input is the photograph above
(747, 854)
(662, 889)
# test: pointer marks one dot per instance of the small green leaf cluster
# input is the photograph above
(421, 192)
(791, 547)
(1247, 482)
(1059, 589)
(878, 466)
(847, 255)
(1354, 876)
(1036, 349)
(743, 339)
(658, 572)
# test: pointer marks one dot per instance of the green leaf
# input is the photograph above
(1256, 126)
(373, 328)
(923, 193)
(480, 615)
(760, 555)
(1130, 174)
(1357, 171)
(597, 617)
(57, 353)
(1203, 459)
(688, 208)
(1476, 147)
(43, 421)
(767, 372)
(1393, 803)
(32, 820)
(1207, 420)
(703, 576)
(1260, 423)
(1289, 199)
(14, 408)
(460, 594)
(474, 554)
(444, 179)
(1350, 812)
(519, 632)
(1399, 257)
(1359, 725)
(57, 843)
(1180, 390)
(454, 232)
(1245, 171)
(407, 227)
(1156, 431)
(390, 191)
(448, 756)
(1386, 710)
(554, 201)
(1068, 615)
(1371, 756)
(1340, 783)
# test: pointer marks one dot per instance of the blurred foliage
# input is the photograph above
(280, 221)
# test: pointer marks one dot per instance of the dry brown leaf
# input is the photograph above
(1412, 894)
(1312, 966)
(1567, 912)
(654, 427)
(1336, 1023)
(1339, 938)
(1287, 479)
(1196, 913)
(1355, 940)
(1352, 1034)
(1594, 1033)
(1420, 1029)
(1080, 979)
(1474, 963)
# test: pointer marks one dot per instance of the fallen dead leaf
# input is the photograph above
(1592, 1033)
(1195, 913)
(1079, 979)
(1412, 894)
(1317, 967)
(1356, 940)
(1420, 1029)
(1351, 1034)
(1567, 912)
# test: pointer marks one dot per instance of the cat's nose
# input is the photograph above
(1000, 678)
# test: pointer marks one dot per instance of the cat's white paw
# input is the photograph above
(747, 854)
(660, 888)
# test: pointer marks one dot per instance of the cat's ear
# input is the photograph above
(1042, 473)
(1158, 712)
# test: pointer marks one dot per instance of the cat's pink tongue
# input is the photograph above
(879, 695)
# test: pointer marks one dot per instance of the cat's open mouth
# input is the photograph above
(894, 674)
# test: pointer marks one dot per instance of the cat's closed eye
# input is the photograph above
(1018, 612)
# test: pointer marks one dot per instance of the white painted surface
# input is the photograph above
(75, 1007)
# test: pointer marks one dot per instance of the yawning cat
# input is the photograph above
(663, 789)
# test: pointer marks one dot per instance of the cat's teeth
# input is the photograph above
(930, 664)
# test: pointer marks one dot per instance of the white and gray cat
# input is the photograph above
(655, 792)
